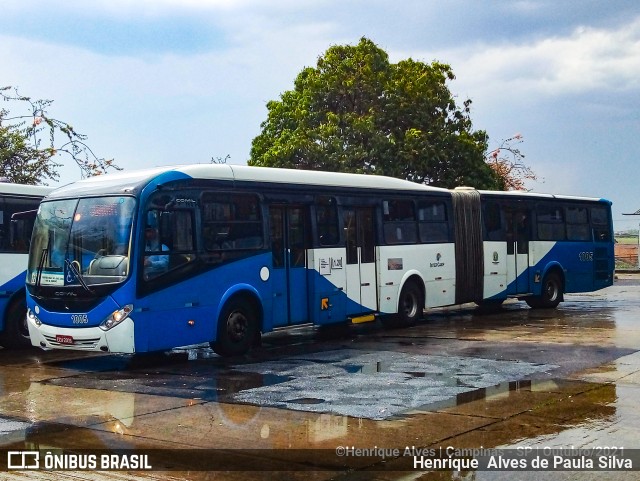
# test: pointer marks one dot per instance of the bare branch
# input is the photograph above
(26, 158)
(507, 162)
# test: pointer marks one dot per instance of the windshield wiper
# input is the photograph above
(43, 259)
(76, 273)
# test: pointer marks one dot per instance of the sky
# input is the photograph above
(164, 82)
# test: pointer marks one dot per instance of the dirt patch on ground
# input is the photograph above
(627, 253)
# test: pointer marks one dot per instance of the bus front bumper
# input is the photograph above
(117, 340)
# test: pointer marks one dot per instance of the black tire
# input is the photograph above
(551, 296)
(410, 307)
(237, 328)
(490, 303)
(16, 333)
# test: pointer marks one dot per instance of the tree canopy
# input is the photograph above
(357, 112)
(31, 141)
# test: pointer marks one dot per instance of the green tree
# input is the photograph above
(357, 112)
(31, 140)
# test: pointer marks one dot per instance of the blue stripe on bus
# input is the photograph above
(578, 266)
(63, 319)
(187, 313)
(14, 284)
(198, 321)
(578, 273)
(8, 289)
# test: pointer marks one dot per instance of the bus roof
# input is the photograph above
(133, 181)
(22, 189)
(535, 195)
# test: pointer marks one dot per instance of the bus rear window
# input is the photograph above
(600, 221)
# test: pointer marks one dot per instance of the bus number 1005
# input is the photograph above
(79, 318)
(586, 256)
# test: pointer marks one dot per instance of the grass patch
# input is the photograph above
(627, 240)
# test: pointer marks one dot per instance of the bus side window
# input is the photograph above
(181, 238)
(15, 235)
(298, 235)
(231, 225)
(399, 222)
(20, 234)
(169, 241)
(432, 222)
(493, 222)
(551, 224)
(276, 217)
(577, 224)
(350, 234)
(327, 222)
(3, 229)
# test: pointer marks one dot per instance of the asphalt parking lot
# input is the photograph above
(345, 403)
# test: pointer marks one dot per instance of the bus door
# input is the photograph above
(518, 233)
(361, 259)
(289, 243)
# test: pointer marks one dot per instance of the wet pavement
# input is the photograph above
(465, 378)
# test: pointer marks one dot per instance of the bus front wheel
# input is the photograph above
(16, 333)
(237, 329)
(551, 293)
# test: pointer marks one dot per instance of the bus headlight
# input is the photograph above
(116, 317)
(32, 317)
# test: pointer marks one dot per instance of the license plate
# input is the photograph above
(61, 339)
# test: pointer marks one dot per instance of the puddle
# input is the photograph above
(122, 362)
(196, 352)
(382, 384)
(306, 400)
(217, 385)
(12, 430)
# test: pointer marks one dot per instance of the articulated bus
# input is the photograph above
(18, 205)
(168, 257)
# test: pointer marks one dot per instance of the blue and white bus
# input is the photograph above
(18, 205)
(168, 257)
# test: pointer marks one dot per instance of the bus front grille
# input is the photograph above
(77, 343)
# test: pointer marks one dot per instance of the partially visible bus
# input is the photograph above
(151, 260)
(18, 205)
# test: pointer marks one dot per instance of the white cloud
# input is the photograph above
(154, 8)
(589, 59)
(168, 108)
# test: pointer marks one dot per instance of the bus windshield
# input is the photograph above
(81, 242)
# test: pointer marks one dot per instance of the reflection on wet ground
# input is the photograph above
(463, 378)
(377, 384)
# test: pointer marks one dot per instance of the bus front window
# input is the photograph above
(81, 242)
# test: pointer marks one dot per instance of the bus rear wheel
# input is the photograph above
(410, 307)
(16, 333)
(237, 329)
(551, 293)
